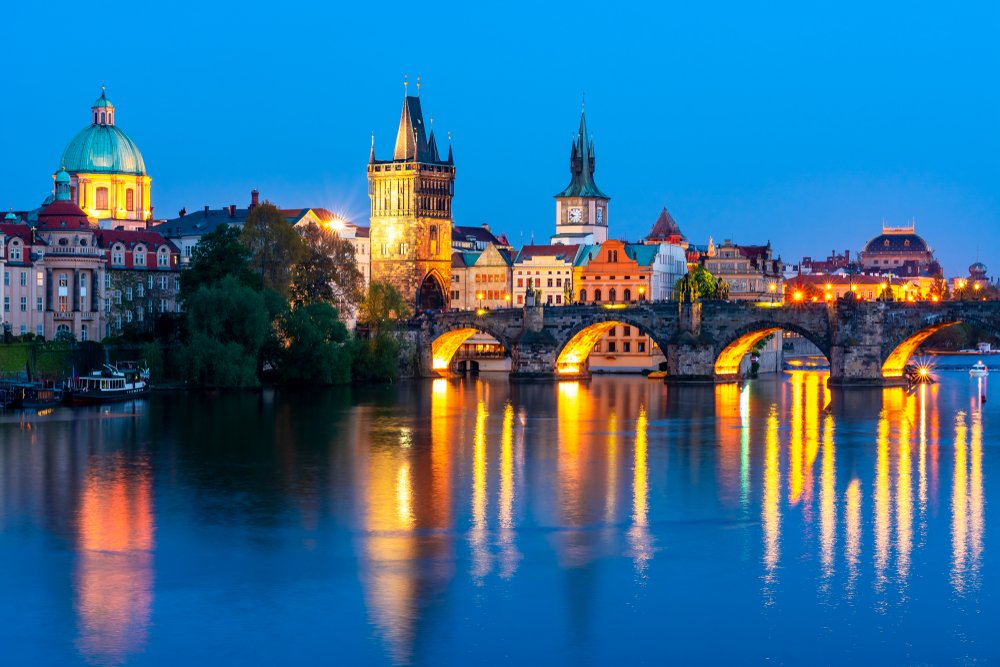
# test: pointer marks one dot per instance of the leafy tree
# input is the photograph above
(328, 271)
(939, 288)
(275, 247)
(228, 324)
(382, 307)
(700, 284)
(217, 255)
(313, 349)
(376, 359)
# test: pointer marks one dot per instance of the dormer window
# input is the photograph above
(118, 255)
(163, 258)
(15, 251)
(139, 256)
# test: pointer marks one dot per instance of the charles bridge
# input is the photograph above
(866, 342)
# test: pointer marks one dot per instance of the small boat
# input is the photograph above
(35, 396)
(979, 370)
(109, 385)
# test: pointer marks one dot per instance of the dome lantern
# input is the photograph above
(102, 110)
(62, 185)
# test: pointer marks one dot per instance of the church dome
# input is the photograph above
(896, 243)
(102, 147)
(977, 270)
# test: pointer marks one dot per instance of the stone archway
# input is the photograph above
(573, 354)
(431, 296)
(446, 345)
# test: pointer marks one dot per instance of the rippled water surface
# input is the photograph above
(481, 522)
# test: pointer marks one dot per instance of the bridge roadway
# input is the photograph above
(867, 342)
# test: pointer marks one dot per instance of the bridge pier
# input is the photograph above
(693, 362)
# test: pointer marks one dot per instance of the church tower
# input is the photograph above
(581, 209)
(411, 213)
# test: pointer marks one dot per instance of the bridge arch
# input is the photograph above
(449, 340)
(729, 355)
(575, 347)
(897, 351)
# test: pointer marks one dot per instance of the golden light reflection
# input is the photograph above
(883, 501)
(896, 361)
(745, 446)
(904, 501)
(852, 554)
(638, 534)
(729, 360)
(611, 487)
(967, 502)
(771, 505)
(480, 549)
(509, 555)
(728, 431)
(795, 444)
(114, 573)
(960, 506)
(828, 500)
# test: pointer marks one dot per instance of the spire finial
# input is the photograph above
(418, 88)
(406, 84)
(583, 101)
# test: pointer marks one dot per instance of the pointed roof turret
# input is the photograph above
(432, 148)
(371, 156)
(665, 228)
(582, 165)
(451, 155)
(411, 139)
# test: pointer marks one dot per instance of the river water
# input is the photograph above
(480, 522)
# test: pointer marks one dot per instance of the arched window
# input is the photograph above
(597, 296)
(83, 332)
(434, 239)
(102, 199)
(139, 256)
(612, 295)
(627, 294)
(130, 199)
(104, 118)
(583, 296)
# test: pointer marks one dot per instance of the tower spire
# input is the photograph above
(371, 156)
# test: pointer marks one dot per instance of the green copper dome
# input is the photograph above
(103, 149)
(103, 102)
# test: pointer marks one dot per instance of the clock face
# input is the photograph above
(575, 214)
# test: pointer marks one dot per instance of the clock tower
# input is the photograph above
(581, 209)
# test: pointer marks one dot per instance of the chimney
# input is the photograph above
(206, 210)
(254, 199)
(232, 210)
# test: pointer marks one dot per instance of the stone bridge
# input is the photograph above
(866, 342)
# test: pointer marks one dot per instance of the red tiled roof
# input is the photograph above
(529, 251)
(152, 240)
(19, 230)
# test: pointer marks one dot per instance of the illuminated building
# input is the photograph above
(548, 269)
(752, 271)
(481, 280)
(900, 251)
(581, 209)
(818, 287)
(108, 176)
(411, 214)
(69, 277)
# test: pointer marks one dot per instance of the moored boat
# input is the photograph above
(109, 385)
(35, 396)
(979, 370)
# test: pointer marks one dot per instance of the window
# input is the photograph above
(128, 316)
(597, 296)
(163, 282)
(107, 281)
(6, 278)
(118, 255)
(149, 281)
(434, 239)
(83, 332)
(612, 295)
(102, 193)
(15, 252)
(128, 294)
(549, 283)
(641, 346)
(6, 304)
(558, 282)
(548, 299)
(520, 299)
(139, 256)
(612, 347)
(538, 282)
(627, 294)
(140, 291)
(163, 258)
(520, 282)
(583, 296)
(24, 278)
(40, 330)
(559, 299)
(39, 304)
(24, 304)
(177, 284)
(626, 346)
(107, 305)
(40, 279)
(130, 199)
(163, 305)
(626, 331)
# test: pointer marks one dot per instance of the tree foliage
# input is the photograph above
(228, 325)
(217, 255)
(313, 346)
(274, 245)
(327, 272)
(700, 284)
(382, 307)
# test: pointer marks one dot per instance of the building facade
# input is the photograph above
(70, 278)
(752, 271)
(546, 269)
(481, 280)
(900, 251)
(581, 208)
(411, 218)
(108, 178)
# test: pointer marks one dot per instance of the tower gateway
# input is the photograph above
(581, 209)
(107, 173)
(411, 213)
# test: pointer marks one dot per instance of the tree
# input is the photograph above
(275, 247)
(217, 255)
(328, 271)
(700, 284)
(228, 324)
(313, 346)
(939, 288)
(382, 307)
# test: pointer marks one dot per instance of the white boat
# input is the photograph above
(113, 383)
(979, 370)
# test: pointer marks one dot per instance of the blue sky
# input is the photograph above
(805, 124)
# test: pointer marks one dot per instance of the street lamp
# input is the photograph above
(506, 297)
(642, 293)
(774, 289)
(479, 295)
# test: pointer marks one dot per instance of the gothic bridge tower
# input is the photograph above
(411, 213)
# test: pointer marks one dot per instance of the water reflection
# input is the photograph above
(114, 571)
(455, 506)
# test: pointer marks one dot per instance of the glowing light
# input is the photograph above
(730, 358)
(480, 551)
(895, 363)
(770, 508)
(613, 306)
(445, 346)
(975, 286)
(638, 534)
(481, 311)
(934, 298)
(335, 224)
(773, 287)
(829, 287)
(798, 296)
(574, 354)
